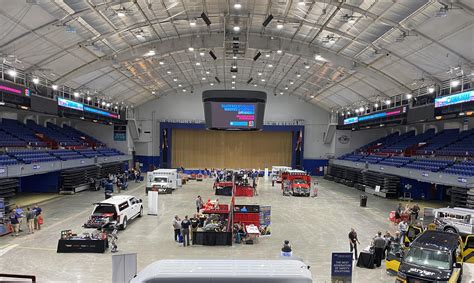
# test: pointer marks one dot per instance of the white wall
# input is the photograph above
(104, 133)
(278, 108)
(348, 141)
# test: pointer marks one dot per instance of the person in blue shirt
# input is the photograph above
(19, 215)
(15, 223)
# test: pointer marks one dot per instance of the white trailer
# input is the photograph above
(276, 172)
(164, 180)
(225, 271)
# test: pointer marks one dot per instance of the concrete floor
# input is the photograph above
(315, 227)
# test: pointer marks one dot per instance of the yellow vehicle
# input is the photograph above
(434, 256)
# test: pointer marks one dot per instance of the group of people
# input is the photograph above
(34, 219)
(183, 228)
(410, 213)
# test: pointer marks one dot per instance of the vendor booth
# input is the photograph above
(223, 188)
(214, 227)
(85, 243)
(243, 191)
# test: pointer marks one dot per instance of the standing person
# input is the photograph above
(415, 211)
(194, 226)
(315, 190)
(39, 217)
(286, 249)
(30, 219)
(388, 242)
(396, 239)
(177, 227)
(398, 212)
(15, 223)
(379, 245)
(199, 203)
(137, 176)
(403, 227)
(185, 230)
(19, 215)
(353, 241)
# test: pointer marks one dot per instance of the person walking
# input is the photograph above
(353, 241)
(403, 227)
(194, 226)
(20, 216)
(15, 223)
(379, 245)
(199, 203)
(177, 227)
(185, 230)
(38, 217)
(30, 220)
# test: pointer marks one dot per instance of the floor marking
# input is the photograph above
(7, 248)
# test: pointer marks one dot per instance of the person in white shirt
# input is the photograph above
(403, 227)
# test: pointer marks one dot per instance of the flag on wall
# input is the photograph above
(165, 139)
(299, 141)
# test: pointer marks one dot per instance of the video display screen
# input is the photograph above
(11, 88)
(392, 112)
(70, 104)
(462, 97)
(233, 115)
(101, 112)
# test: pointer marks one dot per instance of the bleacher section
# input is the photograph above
(78, 135)
(32, 156)
(21, 133)
(404, 144)
(440, 140)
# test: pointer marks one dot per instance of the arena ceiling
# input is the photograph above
(331, 53)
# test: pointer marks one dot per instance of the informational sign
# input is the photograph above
(100, 112)
(341, 267)
(233, 115)
(153, 203)
(462, 97)
(462, 180)
(11, 88)
(377, 188)
(265, 220)
(378, 115)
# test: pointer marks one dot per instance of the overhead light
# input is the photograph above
(233, 82)
(35, 81)
(234, 76)
(108, 105)
(205, 18)
(12, 72)
(54, 87)
(301, 2)
(233, 87)
(356, 111)
(116, 107)
(150, 53)
(198, 63)
(207, 72)
(376, 105)
(279, 51)
(175, 79)
(281, 93)
(211, 84)
(318, 57)
(89, 98)
(270, 66)
(292, 82)
(279, 25)
(439, 117)
(461, 114)
(387, 102)
(257, 56)
(306, 66)
(267, 20)
(201, 53)
(255, 85)
(191, 49)
(361, 109)
(259, 73)
(213, 55)
(120, 14)
(443, 11)
(351, 20)
(237, 6)
(454, 83)
(267, 55)
(203, 78)
(312, 96)
(192, 23)
(180, 85)
(184, 90)
(234, 67)
(409, 96)
(103, 103)
(162, 63)
(348, 112)
(236, 28)
(431, 89)
(262, 80)
(168, 72)
(286, 88)
(298, 75)
(76, 94)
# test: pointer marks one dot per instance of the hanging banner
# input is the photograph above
(265, 220)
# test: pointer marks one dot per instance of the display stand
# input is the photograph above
(124, 267)
(243, 191)
(207, 238)
(223, 188)
(82, 246)
(152, 203)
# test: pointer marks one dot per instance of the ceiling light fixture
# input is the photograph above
(211, 84)
(306, 66)
(192, 23)
(120, 14)
(168, 72)
(312, 96)
(286, 88)
(207, 72)
(262, 80)
(279, 51)
(388, 102)
(292, 82)
(205, 18)
(234, 57)
(175, 79)
(161, 63)
(454, 83)
(255, 85)
(233, 87)
(234, 76)
(318, 57)
(103, 103)
(361, 109)
(237, 6)
(267, 55)
(76, 94)
(198, 63)
(356, 111)
(298, 75)
(201, 53)
(431, 89)
(35, 81)
(409, 96)
(180, 85)
(279, 25)
(191, 49)
(233, 82)
(267, 20)
(153, 92)
(281, 92)
(89, 98)
(270, 66)
(301, 2)
(236, 28)
(54, 87)
(12, 72)
(151, 53)
(259, 73)
(203, 78)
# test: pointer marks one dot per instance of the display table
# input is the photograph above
(243, 191)
(366, 259)
(224, 188)
(212, 238)
(82, 246)
(252, 232)
(209, 209)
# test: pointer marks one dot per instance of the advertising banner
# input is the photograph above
(341, 267)
(265, 220)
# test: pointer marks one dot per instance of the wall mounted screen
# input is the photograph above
(462, 97)
(70, 104)
(233, 115)
(11, 88)
(378, 115)
(101, 112)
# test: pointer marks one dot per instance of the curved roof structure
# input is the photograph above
(335, 53)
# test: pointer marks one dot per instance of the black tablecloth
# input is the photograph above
(225, 191)
(212, 238)
(82, 246)
(366, 260)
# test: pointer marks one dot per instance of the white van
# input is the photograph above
(163, 180)
(121, 208)
(226, 271)
(457, 220)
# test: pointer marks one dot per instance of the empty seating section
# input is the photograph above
(109, 152)
(352, 157)
(380, 141)
(463, 169)
(438, 141)
(404, 144)
(372, 159)
(65, 154)
(7, 160)
(394, 140)
(70, 131)
(7, 140)
(32, 156)
(24, 136)
(427, 164)
(89, 153)
(464, 145)
(397, 161)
